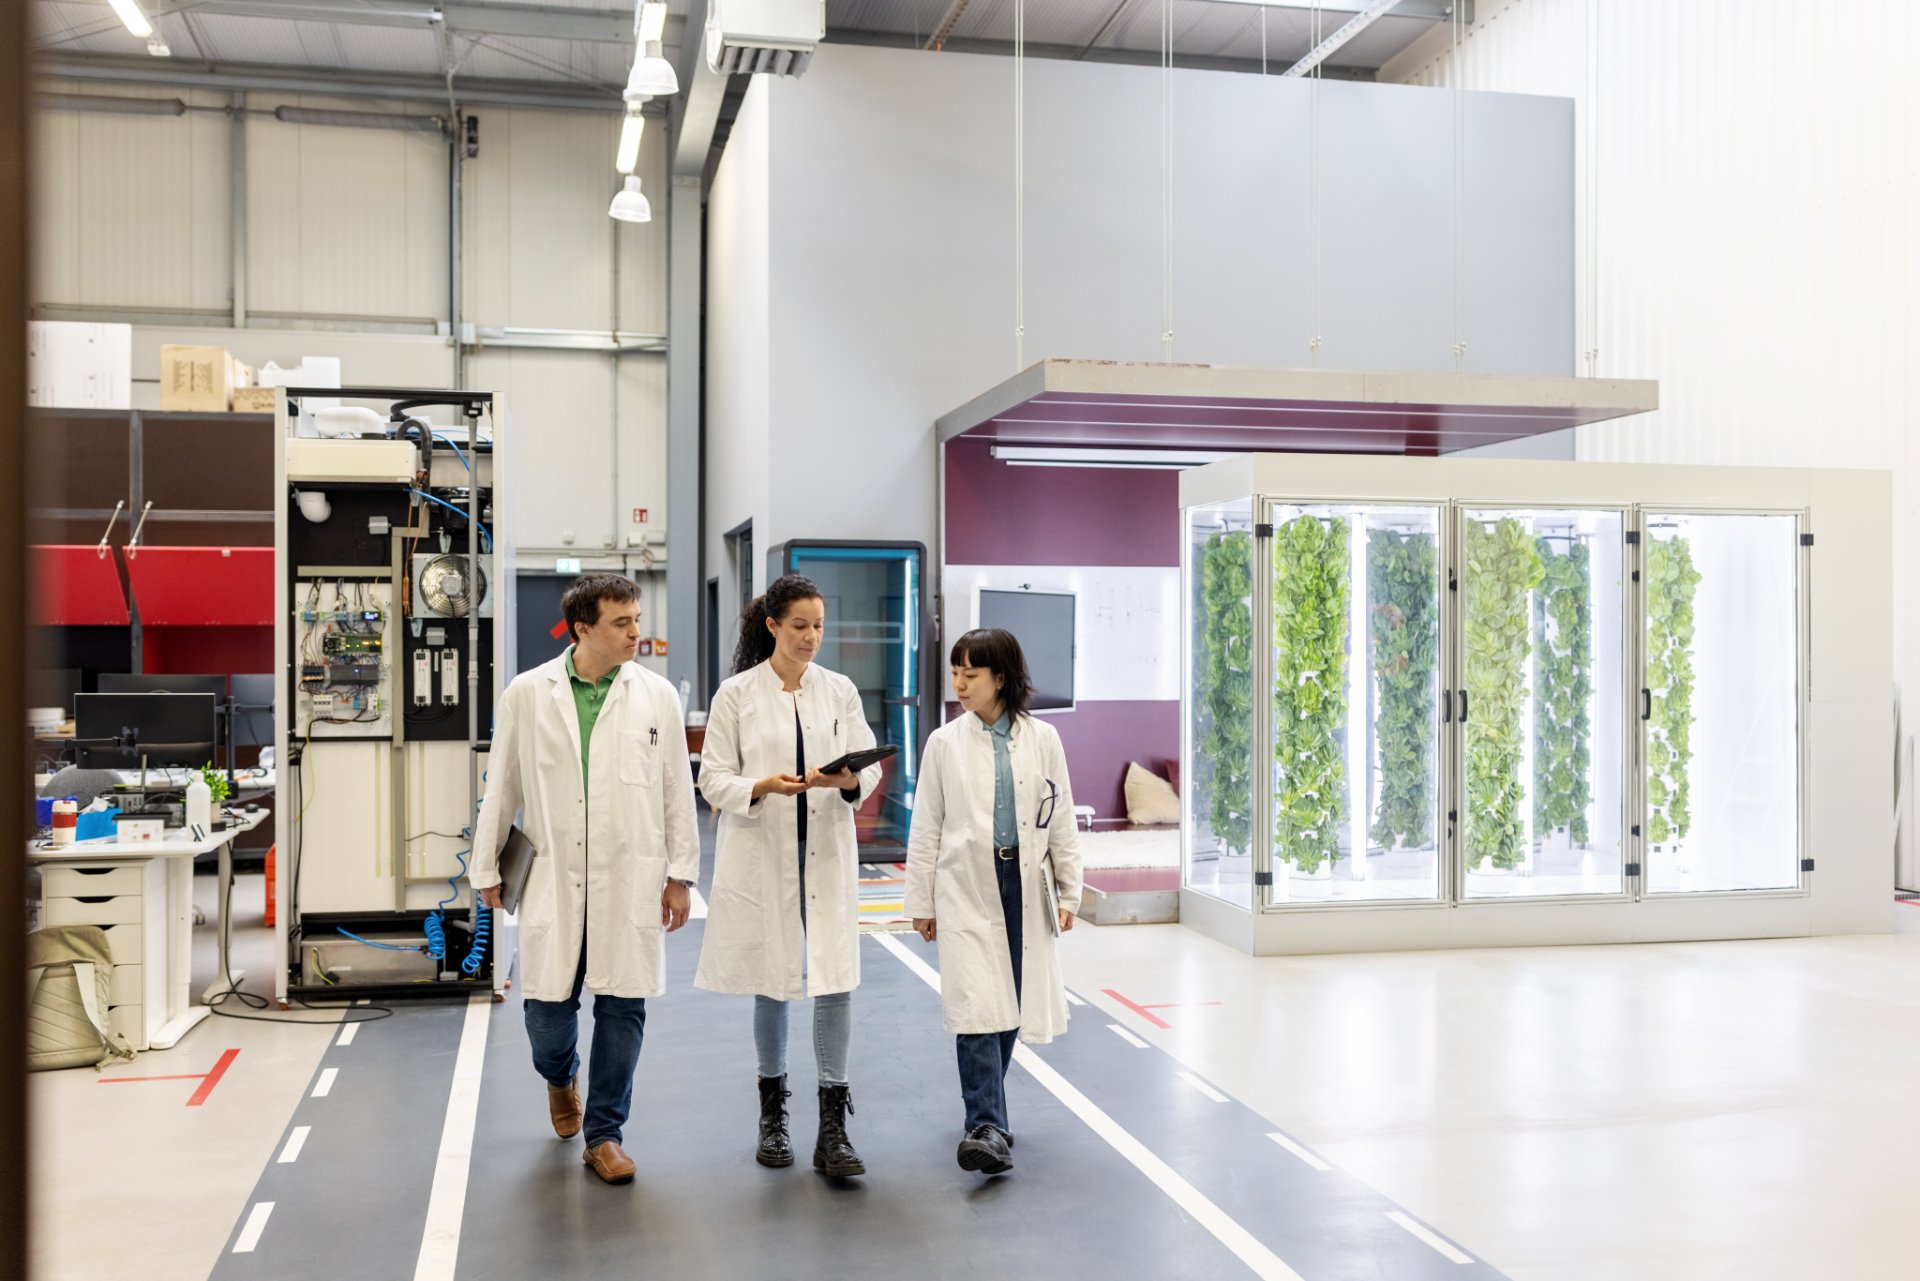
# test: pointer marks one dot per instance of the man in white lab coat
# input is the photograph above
(591, 751)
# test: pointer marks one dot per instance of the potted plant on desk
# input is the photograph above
(216, 780)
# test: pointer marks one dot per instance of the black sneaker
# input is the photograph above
(984, 1151)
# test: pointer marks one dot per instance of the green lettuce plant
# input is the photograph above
(1671, 582)
(1502, 568)
(1310, 597)
(1563, 685)
(1404, 640)
(1225, 667)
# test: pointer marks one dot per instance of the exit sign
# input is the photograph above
(565, 565)
(639, 515)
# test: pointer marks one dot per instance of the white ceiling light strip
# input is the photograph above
(1324, 49)
(129, 13)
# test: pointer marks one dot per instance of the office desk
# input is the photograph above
(141, 893)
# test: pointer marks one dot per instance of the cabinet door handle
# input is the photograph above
(1463, 707)
(1646, 704)
(1446, 707)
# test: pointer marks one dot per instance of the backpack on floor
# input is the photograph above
(68, 971)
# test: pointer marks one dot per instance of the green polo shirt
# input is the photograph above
(588, 699)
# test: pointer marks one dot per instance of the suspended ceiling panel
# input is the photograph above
(1155, 406)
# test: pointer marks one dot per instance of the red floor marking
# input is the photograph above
(1176, 1005)
(213, 1079)
(1141, 1010)
(1908, 902)
(207, 1079)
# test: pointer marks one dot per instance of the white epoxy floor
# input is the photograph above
(1738, 1110)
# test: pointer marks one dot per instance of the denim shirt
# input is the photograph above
(1006, 831)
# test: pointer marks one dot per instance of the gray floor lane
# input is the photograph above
(353, 1203)
(702, 1207)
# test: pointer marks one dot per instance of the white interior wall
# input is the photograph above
(892, 247)
(347, 231)
(739, 407)
(1757, 192)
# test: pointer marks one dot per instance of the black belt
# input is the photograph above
(1006, 853)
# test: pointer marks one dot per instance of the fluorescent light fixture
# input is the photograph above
(653, 76)
(157, 46)
(631, 205)
(130, 14)
(650, 22)
(627, 158)
(1134, 459)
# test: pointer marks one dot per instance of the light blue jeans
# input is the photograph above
(832, 1035)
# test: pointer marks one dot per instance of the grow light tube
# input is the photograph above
(1359, 785)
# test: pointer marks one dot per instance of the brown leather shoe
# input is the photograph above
(563, 1104)
(609, 1162)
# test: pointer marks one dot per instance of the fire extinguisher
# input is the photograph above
(270, 850)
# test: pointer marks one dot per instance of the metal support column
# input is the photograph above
(237, 113)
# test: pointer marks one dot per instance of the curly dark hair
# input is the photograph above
(756, 642)
(996, 649)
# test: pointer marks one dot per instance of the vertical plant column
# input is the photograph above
(1503, 567)
(1403, 632)
(1310, 597)
(1563, 673)
(1671, 581)
(1225, 665)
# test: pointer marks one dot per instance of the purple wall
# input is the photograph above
(1001, 515)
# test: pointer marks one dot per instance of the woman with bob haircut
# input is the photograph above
(993, 878)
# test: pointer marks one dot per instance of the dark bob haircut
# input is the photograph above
(581, 604)
(996, 650)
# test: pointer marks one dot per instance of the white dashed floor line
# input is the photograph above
(1126, 1036)
(297, 1140)
(256, 1224)
(324, 1086)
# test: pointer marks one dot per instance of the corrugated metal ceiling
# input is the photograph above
(224, 33)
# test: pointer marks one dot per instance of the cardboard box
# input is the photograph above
(253, 400)
(200, 378)
(79, 366)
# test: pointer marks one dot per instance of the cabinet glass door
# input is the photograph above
(1217, 788)
(1355, 695)
(1720, 702)
(1541, 703)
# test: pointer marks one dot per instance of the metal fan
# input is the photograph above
(446, 586)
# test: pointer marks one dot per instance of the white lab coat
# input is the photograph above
(753, 942)
(601, 865)
(950, 875)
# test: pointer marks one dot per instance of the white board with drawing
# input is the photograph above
(1126, 626)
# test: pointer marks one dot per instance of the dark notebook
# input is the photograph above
(516, 864)
(857, 761)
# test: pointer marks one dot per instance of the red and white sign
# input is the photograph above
(639, 515)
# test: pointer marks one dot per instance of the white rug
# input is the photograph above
(1126, 848)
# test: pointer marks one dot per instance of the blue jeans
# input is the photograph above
(832, 1035)
(986, 1056)
(619, 1023)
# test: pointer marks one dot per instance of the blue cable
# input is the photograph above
(435, 924)
(456, 450)
(456, 511)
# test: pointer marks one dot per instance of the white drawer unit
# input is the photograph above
(128, 901)
(117, 909)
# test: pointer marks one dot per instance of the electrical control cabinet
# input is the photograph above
(390, 627)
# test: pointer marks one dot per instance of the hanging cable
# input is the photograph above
(1313, 198)
(1459, 197)
(1019, 184)
(1593, 189)
(1166, 179)
(1263, 40)
(417, 493)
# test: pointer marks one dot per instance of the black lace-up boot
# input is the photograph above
(833, 1154)
(775, 1148)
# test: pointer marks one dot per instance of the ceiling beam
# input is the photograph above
(1429, 10)
(1070, 53)
(332, 83)
(459, 17)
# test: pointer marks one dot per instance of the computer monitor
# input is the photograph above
(252, 710)
(118, 730)
(158, 683)
(1043, 624)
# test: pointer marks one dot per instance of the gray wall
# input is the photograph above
(890, 257)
